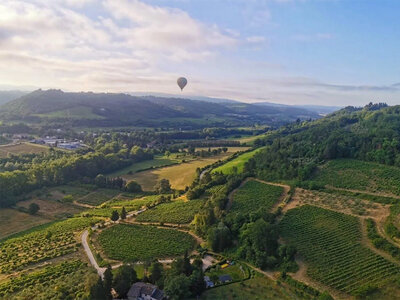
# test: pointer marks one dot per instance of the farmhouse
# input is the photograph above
(225, 278)
(145, 291)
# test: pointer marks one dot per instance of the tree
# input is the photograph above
(220, 237)
(107, 283)
(133, 187)
(114, 216)
(33, 208)
(187, 267)
(124, 277)
(163, 186)
(197, 284)
(97, 291)
(123, 213)
(177, 287)
(156, 272)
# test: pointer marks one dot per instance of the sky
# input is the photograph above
(326, 52)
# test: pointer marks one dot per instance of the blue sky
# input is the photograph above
(328, 52)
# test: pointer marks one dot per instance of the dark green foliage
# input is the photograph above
(123, 213)
(156, 273)
(33, 208)
(259, 243)
(114, 215)
(108, 281)
(220, 237)
(97, 291)
(163, 186)
(124, 277)
(133, 187)
(177, 287)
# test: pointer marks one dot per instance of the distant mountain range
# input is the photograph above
(107, 109)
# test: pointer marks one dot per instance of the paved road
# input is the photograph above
(89, 254)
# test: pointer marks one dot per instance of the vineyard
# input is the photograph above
(106, 209)
(176, 212)
(45, 242)
(330, 243)
(138, 243)
(360, 175)
(98, 197)
(255, 195)
(237, 163)
(47, 274)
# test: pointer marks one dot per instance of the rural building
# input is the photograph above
(225, 278)
(209, 283)
(70, 145)
(145, 291)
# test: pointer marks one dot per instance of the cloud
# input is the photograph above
(56, 44)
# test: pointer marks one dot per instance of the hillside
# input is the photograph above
(104, 109)
(370, 133)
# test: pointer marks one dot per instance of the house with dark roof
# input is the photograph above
(225, 278)
(145, 291)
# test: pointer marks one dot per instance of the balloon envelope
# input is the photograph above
(182, 82)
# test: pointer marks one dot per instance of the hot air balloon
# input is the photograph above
(182, 82)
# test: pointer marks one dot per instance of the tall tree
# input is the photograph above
(123, 213)
(108, 278)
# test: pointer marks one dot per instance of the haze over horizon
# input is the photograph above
(284, 51)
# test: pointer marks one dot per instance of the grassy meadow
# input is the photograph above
(22, 148)
(237, 163)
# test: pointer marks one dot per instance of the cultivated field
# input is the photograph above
(254, 196)
(331, 245)
(237, 163)
(139, 243)
(98, 197)
(338, 202)
(41, 243)
(158, 161)
(176, 212)
(13, 221)
(71, 275)
(22, 148)
(180, 176)
(359, 175)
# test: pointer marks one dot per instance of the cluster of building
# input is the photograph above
(59, 143)
(145, 291)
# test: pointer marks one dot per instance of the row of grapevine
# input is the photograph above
(330, 243)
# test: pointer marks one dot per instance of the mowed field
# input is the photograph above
(181, 175)
(237, 163)
(22, 148)
(13, 221)
(331, 245)
(158, 161)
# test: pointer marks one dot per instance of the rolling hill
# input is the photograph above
(105, 109)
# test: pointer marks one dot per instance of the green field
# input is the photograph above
(330, 244)
(254, 195)
(41, 243)
(176, 212)
(158, 161)
(22, 148)
(137, 243)
(237, 163)
(360, 175)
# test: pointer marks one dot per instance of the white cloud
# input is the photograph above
(55, 44)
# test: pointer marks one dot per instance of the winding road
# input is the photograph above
(89, 254)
